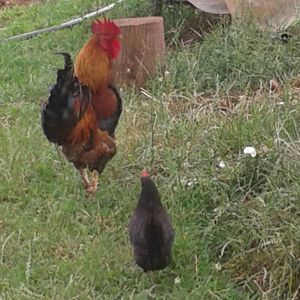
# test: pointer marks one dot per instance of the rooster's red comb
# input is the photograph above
(144, 173)
(105, 27)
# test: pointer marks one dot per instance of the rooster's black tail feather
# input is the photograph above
(58, 114)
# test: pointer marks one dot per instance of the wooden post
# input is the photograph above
(143, 47)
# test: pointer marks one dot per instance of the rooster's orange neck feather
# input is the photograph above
(92, 66)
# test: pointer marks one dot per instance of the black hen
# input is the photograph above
(150, 229)
(58, 114)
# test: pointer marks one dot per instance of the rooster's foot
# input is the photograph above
(92, 187)
(85, 178)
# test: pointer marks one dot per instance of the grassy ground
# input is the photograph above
(236, 227)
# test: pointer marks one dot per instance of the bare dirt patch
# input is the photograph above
(8, 3)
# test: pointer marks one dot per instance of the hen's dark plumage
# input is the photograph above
(150, 229)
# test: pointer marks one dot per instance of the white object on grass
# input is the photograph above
(250, 151)
(177, 280)
(221, 164)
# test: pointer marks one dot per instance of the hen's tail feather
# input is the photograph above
(67, 103)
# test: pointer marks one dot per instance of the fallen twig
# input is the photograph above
(63, 25)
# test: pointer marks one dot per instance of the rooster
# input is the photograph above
(150, 229)
(84, 106)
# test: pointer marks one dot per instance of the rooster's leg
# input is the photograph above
(94, 183)
(85, 178)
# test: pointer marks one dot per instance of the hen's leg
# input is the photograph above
(85, 178)
(150, 276)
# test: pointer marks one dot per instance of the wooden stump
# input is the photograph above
(143, 47)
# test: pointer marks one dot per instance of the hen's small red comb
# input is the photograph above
(106, 27)
(144, 173)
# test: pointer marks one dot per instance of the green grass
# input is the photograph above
(237, 228)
